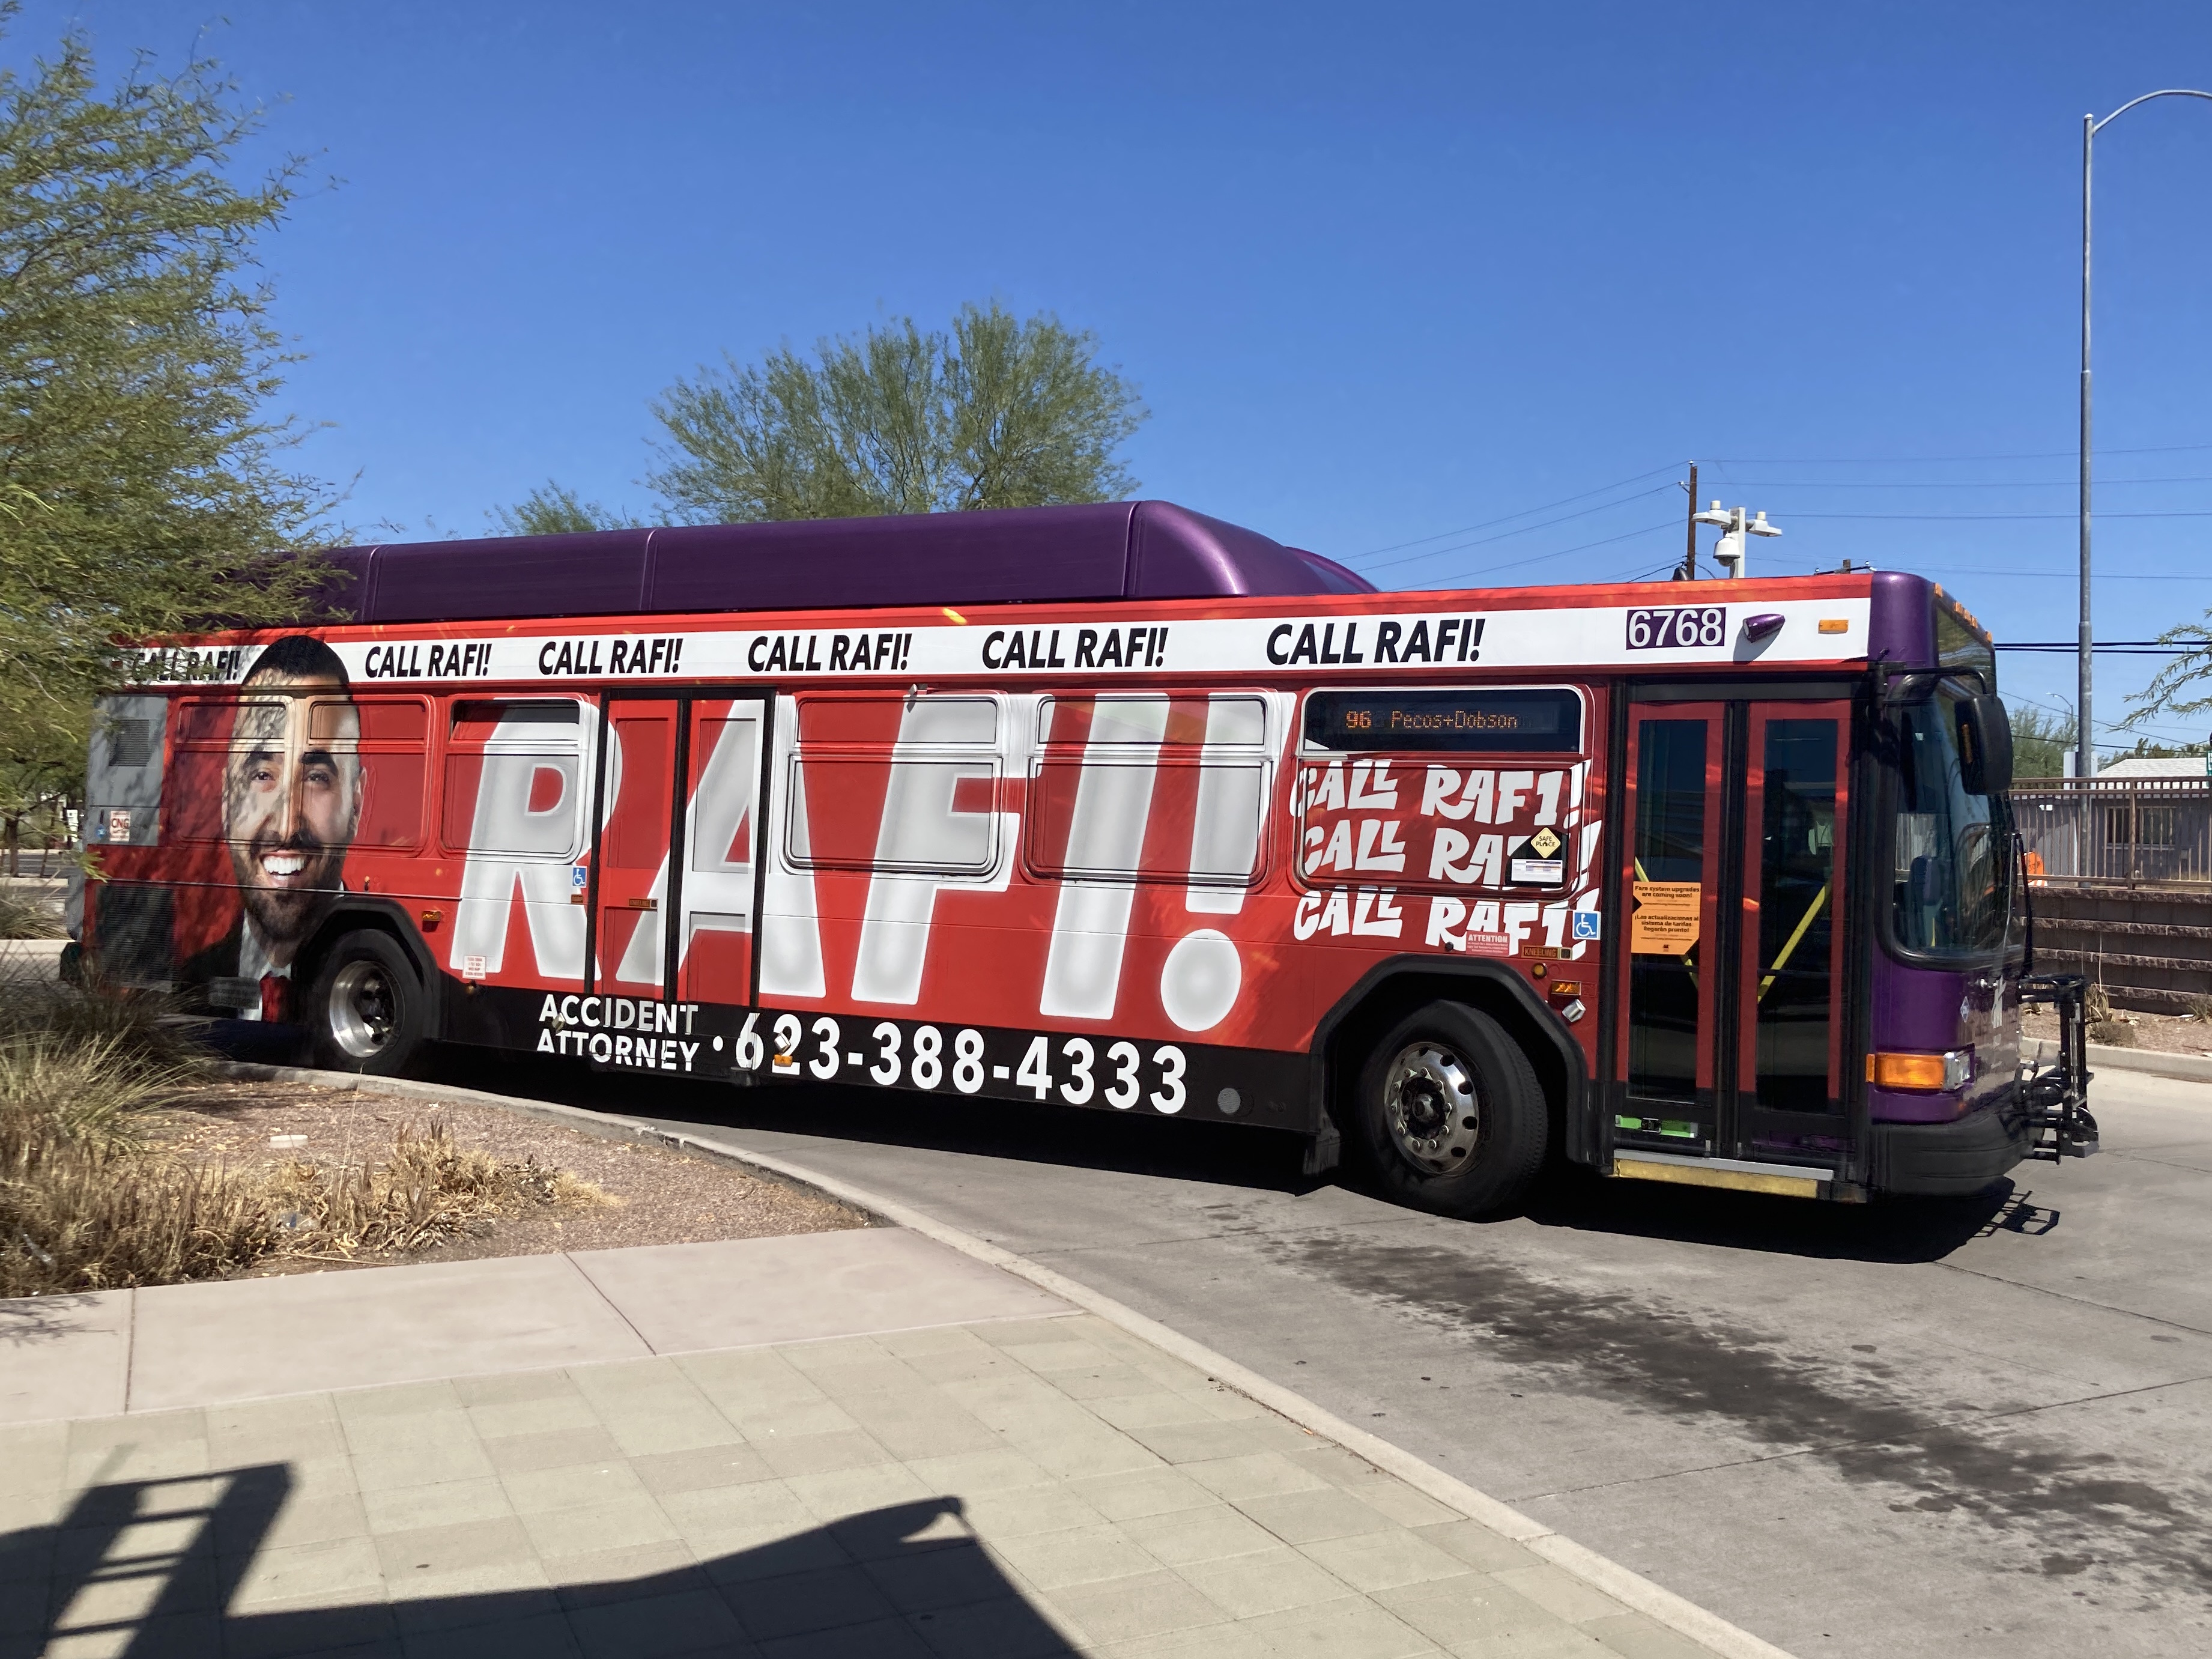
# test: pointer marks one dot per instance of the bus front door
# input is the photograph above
(1731, 979)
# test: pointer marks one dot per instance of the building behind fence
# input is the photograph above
(2134, 832)
(2123, 893)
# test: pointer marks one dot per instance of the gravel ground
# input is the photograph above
(662, 1195)
(2166, 1034)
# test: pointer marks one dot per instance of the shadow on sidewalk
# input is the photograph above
(29, 1319)
(152, 1567)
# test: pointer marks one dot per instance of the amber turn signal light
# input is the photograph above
(1947, 1070)
(432, 918)
(1834, 625)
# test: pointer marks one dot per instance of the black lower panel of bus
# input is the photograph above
(1094, 1071)
(1938, 1159)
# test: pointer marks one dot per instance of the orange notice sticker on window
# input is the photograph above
(1664, 923)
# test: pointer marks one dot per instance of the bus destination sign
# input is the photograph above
(1516, 720)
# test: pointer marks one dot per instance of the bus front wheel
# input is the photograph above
(366, 1011)
(1452, 1117)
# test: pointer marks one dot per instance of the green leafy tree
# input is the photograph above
(2041, 741)
(552, 509)
(995, 412)
(142, 488)
(2184, 684)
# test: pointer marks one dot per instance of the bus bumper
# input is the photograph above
(1949, 1159)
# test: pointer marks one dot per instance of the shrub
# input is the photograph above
(22, 916)
(88, 1203)
(427, 1191)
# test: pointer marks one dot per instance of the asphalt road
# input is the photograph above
(1914, 1428)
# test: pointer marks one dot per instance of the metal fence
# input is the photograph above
(2134, 832)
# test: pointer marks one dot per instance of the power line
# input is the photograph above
(1507, 535)
(1918, 567)
(1979, 517)
(1808, 484)
(1562, 552)
(1954, 484)
(2060, 708)
(1917, 461)
(1565, 501)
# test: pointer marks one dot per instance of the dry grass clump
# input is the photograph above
(23, 915)
(87, 1203)
(429, 1191)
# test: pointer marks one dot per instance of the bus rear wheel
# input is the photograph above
(365, 1013)
(1452, 1117)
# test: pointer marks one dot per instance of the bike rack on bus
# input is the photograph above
(2056, 1097)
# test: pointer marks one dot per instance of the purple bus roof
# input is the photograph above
(1111, 550)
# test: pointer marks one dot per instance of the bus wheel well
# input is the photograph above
(1364, 1017)
(372, 918)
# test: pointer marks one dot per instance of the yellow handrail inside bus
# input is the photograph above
(1782, 960)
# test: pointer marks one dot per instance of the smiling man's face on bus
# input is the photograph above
(291, 797)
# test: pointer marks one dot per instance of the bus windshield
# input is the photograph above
(1952, 877)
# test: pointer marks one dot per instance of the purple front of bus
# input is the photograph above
(1954, 990)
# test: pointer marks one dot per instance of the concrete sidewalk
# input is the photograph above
(840, 1444)
(256, 1338)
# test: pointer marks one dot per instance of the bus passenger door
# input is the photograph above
(629, 878)
(1730, 985)
(1788, 993)
(725, 759)
(1676, 764)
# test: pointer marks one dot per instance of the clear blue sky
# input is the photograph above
(1382, 272)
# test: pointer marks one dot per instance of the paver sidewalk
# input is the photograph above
(1002, 1486)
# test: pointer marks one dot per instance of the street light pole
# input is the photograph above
(2084, 749)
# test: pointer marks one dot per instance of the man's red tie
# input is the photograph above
(275, 998)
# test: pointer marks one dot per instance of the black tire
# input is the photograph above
(366, 1011)
(1450, 1113)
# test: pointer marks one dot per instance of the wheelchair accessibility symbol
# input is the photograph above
(1586, 924)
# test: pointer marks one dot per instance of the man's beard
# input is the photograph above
(283, 915)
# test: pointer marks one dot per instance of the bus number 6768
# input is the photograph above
(1677, 625)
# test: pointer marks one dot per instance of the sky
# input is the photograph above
(1453, 294)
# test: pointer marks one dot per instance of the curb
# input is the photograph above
(2194, 1068)
(1631, 1589)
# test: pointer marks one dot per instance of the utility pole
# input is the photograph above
(1688, 572)
(2085, 753)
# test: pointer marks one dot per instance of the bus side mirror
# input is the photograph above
(1985, 745)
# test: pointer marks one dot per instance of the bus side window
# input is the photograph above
(896, 785)
(514, 780)
(390, 736)
(215, 736)
(1152, 787)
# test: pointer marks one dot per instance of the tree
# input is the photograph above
(2186, 672)
(998, 412)
(2041, 741)
(552, 509)
(141, 488)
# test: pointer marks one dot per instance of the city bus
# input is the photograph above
(1120, 808)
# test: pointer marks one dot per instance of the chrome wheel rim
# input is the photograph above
(362, 1010)
(1429, 1100)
